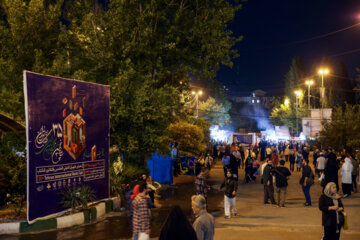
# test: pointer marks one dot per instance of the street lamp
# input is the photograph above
(286, 102)
(322, 72)
(309, 83)
(196, 94)
(298, 94)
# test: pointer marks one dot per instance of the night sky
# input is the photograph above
(269, 26)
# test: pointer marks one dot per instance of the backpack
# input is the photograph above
(311, 179)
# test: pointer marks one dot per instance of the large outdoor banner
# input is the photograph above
(67, 127)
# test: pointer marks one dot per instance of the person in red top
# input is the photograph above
(141, 215)
(135, 191)
(275, 157)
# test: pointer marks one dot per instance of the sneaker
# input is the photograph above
(273, 203)
(346, 195)
(235, 214)
(282, 206)
(227, 217)
(307, 204)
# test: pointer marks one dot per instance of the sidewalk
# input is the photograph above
(258, 221)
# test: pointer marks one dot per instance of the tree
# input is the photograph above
(215, 114)
(343, 130)
(285, 114)
(13, 169)
(189, 136)
(29, 32)
(144, 49)
(330, 82)
(345, 93)
(295, 77)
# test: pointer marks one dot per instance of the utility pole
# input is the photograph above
(196, 94)
(298, 94)
(322, 93)
(309, 83)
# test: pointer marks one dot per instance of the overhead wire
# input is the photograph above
(344, 53)
(306, 39)
(278, 89)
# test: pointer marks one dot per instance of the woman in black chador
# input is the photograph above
(332, 217)
(177, 227)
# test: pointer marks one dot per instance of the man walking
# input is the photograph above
(305, 181)
(282, 174)
(200, 184)
(226, 162)
(230, 186)
(237, 155)
(141, 215)
(268, 183)
(204, 224)
(292, 159)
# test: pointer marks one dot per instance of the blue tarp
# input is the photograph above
(184, 160)
(161, 168)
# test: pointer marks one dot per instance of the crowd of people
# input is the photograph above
(267, 160)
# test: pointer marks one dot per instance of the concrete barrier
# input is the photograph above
(63, 222)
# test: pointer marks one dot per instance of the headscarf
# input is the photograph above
(334, 197)
(327, 192)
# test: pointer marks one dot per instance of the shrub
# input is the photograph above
(13, 169)
(77, 196)
(17, 203)
(123, 173)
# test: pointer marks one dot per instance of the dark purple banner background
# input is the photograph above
(68, 140)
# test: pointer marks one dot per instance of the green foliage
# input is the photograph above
(215, 114)
(29, 32)
(130, 173)
(17, 203)
(77, 196)
(205, 126)
(189, 136)
(146, 51)
(123, 173)
(344, 87)
(294, 78)
(343, 131)
(12, 167)
(285, 114)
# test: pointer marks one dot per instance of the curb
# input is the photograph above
(77, 219)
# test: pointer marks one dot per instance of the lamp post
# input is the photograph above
(196, 94)
(322, 72)
(298, 94)
(286, 101)
(309, 83)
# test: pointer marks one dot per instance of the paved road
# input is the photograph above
(255, 220)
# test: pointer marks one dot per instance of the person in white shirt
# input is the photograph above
(237, 155)
(208, 161)
(268, 152)
(263, 166)
(346, 178)
(320, 164)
